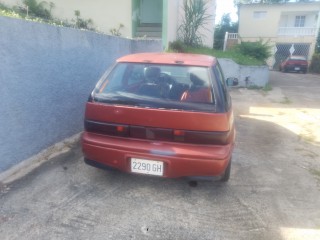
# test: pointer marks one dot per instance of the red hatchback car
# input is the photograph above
(162, 114)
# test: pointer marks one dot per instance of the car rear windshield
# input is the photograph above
(297, 58)
(157, 86)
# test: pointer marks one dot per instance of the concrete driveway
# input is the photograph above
(273, 193)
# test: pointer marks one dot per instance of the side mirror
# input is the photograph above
(232, 81)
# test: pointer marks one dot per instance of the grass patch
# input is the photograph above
(307, 137)
(254, 87)
(267, 88)
(232, 54)
(286, 100)
(315, 172)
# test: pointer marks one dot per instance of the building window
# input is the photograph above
(300, 20)
(259, 14)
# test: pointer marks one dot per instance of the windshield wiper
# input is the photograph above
(116, 100)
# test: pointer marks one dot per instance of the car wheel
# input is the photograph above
(225, 177)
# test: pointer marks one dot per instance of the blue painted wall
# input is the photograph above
(46, 75)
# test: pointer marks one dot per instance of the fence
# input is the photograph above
(297, 31)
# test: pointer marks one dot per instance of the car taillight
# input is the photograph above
(160, 134)
(178, 133)
(198, 137)
(105, 128)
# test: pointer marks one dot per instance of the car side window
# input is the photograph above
(222, 81)
(117, 73)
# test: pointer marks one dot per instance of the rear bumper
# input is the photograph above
(180, 160)
(295, 68)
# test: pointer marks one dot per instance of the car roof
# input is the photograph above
(171, 58)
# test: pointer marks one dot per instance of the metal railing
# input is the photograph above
(232, 35)
(229, 36)
(297, 31)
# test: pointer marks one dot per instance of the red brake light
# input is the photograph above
(178, 132)
(120, 128)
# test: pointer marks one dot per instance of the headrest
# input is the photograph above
(151, 72)
(196, 80)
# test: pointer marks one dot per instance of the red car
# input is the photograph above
(162, 114)
(294, 64)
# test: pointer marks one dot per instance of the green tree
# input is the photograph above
(194, 19)
(317, 49)
(226, 25)
(37, 9)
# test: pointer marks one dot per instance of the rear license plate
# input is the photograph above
(144, 166)
(296, 68)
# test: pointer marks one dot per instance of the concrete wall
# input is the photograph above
(46, 75)
(258, 75)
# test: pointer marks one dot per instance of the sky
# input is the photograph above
(226, 6)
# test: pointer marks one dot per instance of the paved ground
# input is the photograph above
(273, 193)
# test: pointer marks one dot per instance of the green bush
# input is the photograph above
(258, 50)
(177, 46)
(315, 63)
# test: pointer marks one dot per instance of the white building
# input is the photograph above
(140, 18)
(290, 28)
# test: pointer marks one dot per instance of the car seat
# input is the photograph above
(199, 90)
(150, 87)
(152, 74)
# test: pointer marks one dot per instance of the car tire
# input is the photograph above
(225, 177)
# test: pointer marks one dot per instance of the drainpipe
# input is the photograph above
(225, 41)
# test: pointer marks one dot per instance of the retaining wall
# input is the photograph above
(46, 75)
(258, 75)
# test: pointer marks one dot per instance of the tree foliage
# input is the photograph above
(226, 25)
(317, 48)
(195, 18)
(315, 63)
(83, 23)
(36, 9)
